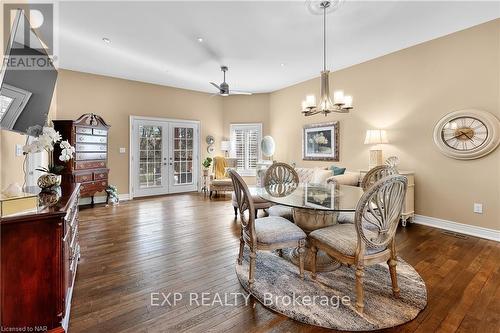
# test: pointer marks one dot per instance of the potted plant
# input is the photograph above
(206, 165)
(113, 196)
(46, 141)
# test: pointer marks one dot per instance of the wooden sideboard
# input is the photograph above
(40, 253)
(409, 206)
(89, 135)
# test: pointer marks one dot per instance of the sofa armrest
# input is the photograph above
(348, 178)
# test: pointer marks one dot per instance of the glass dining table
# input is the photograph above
(314, 206)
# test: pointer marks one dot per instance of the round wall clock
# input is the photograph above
(467, 134)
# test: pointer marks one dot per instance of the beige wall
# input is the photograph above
(246, 109)
(406, 93)
(116, 99)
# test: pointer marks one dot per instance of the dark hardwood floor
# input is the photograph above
(188, 243)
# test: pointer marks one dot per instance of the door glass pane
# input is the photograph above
(150, 154)
(183, 155)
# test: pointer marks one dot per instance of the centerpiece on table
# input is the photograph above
(46, 141)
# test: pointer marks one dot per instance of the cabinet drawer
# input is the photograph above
(100, 175)
(89, 165)
(84, 130)
(92, 187)
(100, 132)
(83, 178)
(90, 147)
(91, 138)
(90, 156)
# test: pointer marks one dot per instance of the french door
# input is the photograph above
(164, 157)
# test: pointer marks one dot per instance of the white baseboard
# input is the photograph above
(466, 229)
(102, 199)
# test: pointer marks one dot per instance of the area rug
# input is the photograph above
(329, 301)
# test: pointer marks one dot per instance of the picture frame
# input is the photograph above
(320, 142)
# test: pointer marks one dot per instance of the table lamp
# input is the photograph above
(225, 146)
(375, 138)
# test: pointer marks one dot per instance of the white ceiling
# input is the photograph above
(156, 42)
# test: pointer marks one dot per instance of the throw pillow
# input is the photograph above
(337, 171)
(320, 176)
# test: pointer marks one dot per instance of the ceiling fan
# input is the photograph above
(224, 87)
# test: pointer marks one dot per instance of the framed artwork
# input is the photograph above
(320, 142)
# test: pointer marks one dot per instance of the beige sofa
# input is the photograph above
(322, 175)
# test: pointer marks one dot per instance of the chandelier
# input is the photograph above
(340, 103)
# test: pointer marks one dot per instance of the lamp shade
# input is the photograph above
(225, 145)
(374, 137)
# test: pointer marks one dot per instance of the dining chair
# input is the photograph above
(377, 173)
(266, 233)
(281, 174)
(371, 239)
(369, 179)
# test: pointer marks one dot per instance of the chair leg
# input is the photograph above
(251, 274)
(392, 262)
(242, 247)
(302, 251)
(360, 293)
(235, 211)
(210, 194)
(394, 278)
(314, 251)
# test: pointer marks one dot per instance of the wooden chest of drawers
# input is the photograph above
(89, 135)
(40, 253)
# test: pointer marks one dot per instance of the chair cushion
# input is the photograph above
(281, 211)
(343, 238)
(222, 182)
(274, 229)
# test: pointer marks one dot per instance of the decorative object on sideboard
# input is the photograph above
(375, 137)
(467, 134)
(14, 201)
(210, 142)
(341, 103)
(46, 141)
(320, 142)
(225, 146)
(89, 135)
(268, 146)
(50, 196)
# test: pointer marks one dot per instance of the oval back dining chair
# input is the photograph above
(281, 175)
(376, 174)
(266, 233)
(371, 239)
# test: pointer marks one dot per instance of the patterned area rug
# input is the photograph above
(330, 300)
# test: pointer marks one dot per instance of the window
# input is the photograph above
(245, 147)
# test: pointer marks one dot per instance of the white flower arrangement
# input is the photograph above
(46, 141)
(319, 139)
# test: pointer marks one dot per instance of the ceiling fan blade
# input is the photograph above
(215, 85)
(237, 92)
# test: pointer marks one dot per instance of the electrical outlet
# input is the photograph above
(478, 208)
(123, 150)
(19, 150)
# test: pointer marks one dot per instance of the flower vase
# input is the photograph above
(49, 180)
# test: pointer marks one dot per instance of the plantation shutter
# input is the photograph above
(245, 141)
